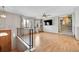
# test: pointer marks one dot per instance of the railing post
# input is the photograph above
(30, 39)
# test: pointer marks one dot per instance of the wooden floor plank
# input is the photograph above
(47, 42)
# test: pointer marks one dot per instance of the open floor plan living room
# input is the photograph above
(39, 29)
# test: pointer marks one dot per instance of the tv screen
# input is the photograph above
(48, 22)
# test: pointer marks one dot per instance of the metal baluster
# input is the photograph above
(29, 40)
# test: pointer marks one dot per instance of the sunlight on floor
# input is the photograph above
(37, 40)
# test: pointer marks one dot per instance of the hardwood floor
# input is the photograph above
(47, 42)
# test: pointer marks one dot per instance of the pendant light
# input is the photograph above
(3, 12)
(44, 15)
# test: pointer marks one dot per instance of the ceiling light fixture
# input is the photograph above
(44, 15)
(3, 12)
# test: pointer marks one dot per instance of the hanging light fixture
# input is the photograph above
(3, 12)
(44, 15)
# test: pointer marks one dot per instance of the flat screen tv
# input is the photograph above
(48, 22)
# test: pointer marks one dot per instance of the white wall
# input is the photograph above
(73, 23)
(12, 21)
(77, 23)
(51, 28)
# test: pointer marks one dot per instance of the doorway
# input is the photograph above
(65, 25)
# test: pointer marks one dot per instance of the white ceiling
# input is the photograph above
(37, 11)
